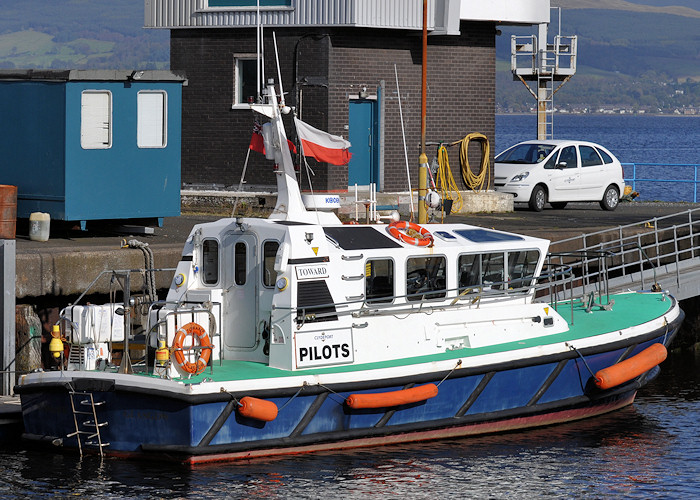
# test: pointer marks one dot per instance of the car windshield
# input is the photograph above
(525, 153)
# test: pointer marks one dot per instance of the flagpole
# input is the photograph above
(423, 159)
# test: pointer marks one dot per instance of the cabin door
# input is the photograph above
(240, 291)
(363, 119)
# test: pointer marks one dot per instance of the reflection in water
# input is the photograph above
(648, 449)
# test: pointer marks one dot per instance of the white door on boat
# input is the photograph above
(241, 274)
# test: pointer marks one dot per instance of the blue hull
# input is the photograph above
(207, 427)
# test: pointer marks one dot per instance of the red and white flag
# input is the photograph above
(322, 145)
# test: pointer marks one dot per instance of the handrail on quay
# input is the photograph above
(679, 175)
(659, 250)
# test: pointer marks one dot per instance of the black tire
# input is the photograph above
(559, 205)
(538, 198)
(611, 198)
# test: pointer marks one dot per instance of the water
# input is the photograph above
(633, 139)
(650, 449)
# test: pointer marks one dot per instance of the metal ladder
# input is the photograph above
(86, 425)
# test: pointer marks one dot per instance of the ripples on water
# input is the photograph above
(648, 449)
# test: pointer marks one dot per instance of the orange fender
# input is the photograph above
(631, 368)
(394, 398)
(259, 409)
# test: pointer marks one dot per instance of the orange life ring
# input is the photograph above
(205, 348)
(396, 228)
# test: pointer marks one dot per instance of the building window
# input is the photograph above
(245, 79)
(250, 3)
(96, 119)
(269, 254)
(151, 126)
(379, 280)
(210, 262)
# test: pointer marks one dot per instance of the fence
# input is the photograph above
(652, 180)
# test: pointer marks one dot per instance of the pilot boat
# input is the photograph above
(299, 333)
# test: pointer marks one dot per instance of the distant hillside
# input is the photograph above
(631, 56)
(79, 34)
(641, 54)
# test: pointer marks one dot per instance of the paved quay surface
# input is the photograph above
(67, 263)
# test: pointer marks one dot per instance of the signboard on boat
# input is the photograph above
(321, 348)
(312, 272)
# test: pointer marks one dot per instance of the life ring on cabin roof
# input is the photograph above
(203, 350)
(397, 230)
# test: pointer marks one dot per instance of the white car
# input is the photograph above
(557, 172)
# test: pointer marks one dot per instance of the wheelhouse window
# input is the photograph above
(476, 270)
(269, 254)
(245, 79)
(521, 267)
(210, 262)
(379, 280)
(240, 263)
(151, 123)
(96, 119)
(426, 278)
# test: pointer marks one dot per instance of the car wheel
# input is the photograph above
(559, 205)
(610, 199)
(537, 199)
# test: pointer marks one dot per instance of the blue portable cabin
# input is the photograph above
(88, 145)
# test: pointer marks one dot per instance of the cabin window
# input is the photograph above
(240, 263)
(379, 280)
(521, 267)
(269, 254)
(210, 262)
(481, 270)
(245, 79)
(96, 119)
(151, 123)
(426, 278)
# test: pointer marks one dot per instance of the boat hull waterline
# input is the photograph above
(203, 428)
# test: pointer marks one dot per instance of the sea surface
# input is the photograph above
(673, 141)
(648, 450)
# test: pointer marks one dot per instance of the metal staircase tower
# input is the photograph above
(533, 59)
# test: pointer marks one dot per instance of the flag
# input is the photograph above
(257, 142)
(322, 145)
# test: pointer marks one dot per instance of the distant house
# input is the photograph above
(87, 145)
(342, 63)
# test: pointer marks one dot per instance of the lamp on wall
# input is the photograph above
(136, 75)
(363, 93)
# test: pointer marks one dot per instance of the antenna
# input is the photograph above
(279, 74)
(257, 51)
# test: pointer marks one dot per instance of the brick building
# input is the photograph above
(339, 62)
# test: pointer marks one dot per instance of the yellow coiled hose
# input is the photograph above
(445, 182)
(475, 182)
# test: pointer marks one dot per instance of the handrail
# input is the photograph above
(678, 167)
(639, 249)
